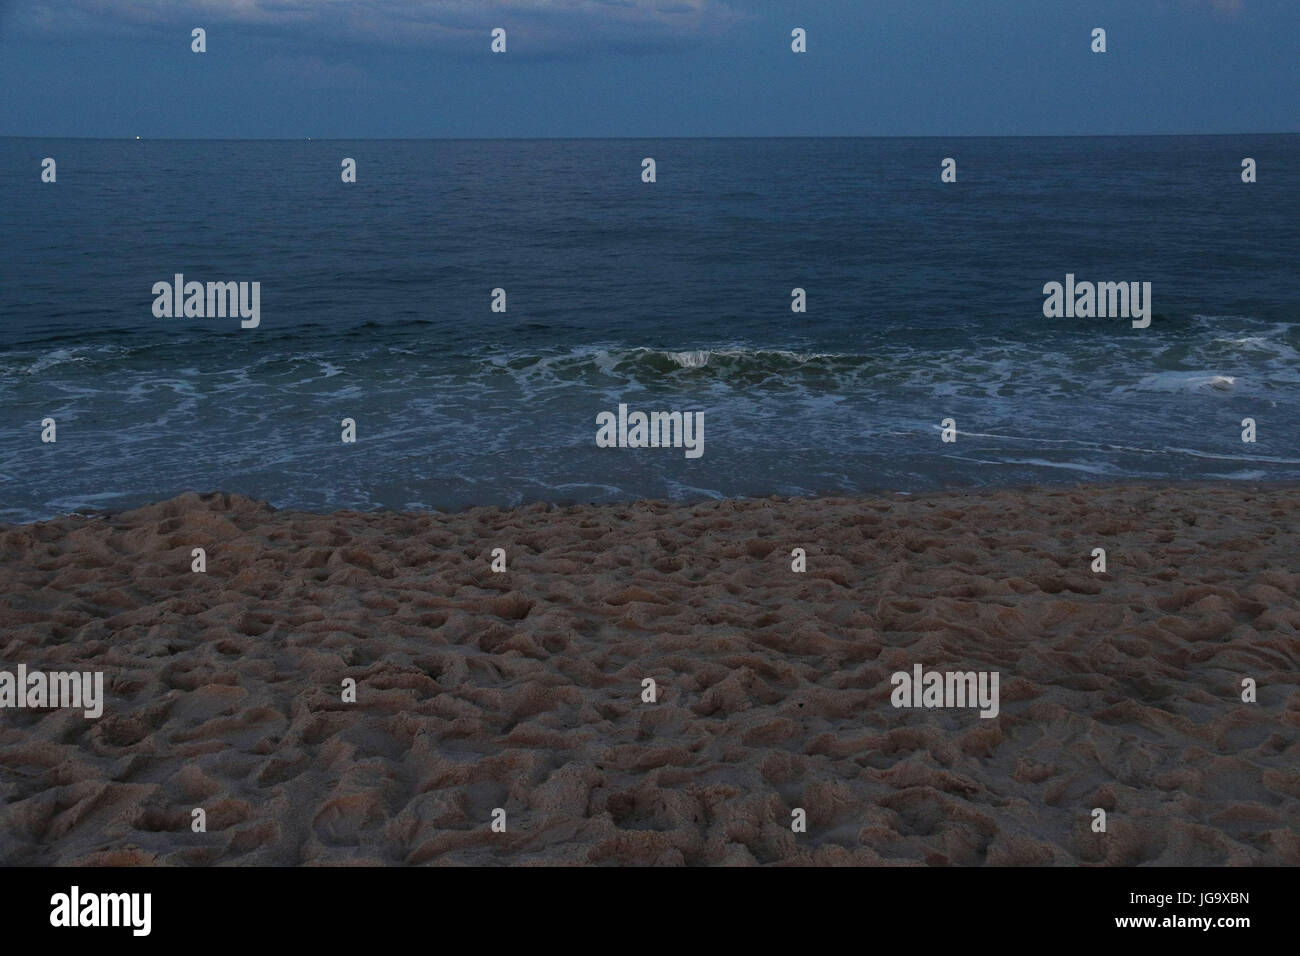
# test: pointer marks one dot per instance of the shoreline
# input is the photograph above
(523, 690)
(1189, 485)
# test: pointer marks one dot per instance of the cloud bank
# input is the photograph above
(533, 26)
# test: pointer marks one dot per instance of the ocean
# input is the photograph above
(924, 302)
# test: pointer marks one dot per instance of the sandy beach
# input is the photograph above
(522, 690)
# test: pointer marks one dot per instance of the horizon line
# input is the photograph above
(379, 139)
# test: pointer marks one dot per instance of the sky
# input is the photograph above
(341, 69)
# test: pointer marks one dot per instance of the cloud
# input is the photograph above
(316, 73)
(533, 26)
(1223, 8)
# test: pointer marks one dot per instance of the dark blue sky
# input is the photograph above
(422, 68)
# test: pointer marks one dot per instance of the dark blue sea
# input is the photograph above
(924, 302)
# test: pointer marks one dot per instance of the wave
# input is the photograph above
(715, 361)
(1230, 356)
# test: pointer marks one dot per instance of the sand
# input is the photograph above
(522, 690)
